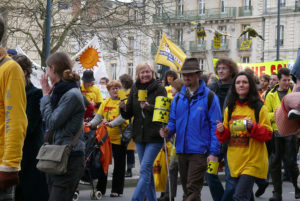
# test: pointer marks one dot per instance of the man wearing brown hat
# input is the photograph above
(193, 115)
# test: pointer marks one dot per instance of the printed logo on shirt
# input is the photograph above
(106, 109)
(238, 138)
(7, 118)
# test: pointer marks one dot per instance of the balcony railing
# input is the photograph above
(197, 47)
(190, 15)
(284, 9)
(245, 11)
(242, 44)
(224, 46)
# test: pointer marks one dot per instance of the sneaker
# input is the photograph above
(294, 114)
(261, 190)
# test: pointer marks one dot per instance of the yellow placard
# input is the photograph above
(246, 44)
(217, 42)
(142, 95)
(264, 68)
(212, 167)
(201, 33)
(169, 54)
(161, 116)
(122, 94)
(162, 102)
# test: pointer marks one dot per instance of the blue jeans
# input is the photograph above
(230, 183)
(244, 186)
(215, 186)
(147, 153)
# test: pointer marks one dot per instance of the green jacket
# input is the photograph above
(272, 102)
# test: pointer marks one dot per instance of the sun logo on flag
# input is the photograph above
(89, 58)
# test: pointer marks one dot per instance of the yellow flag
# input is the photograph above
(169, 54)
(217, 42)
(246, 44)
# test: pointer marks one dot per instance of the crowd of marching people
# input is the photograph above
(229, 117)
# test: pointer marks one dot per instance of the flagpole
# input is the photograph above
(48, 29)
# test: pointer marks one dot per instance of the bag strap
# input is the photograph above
(103, 139)
(76, 138)
(3, 61)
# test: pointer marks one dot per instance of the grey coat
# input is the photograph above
(66, 119)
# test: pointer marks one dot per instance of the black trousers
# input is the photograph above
(284, 147)
(62, 187)
(119, 155)
(130, 159)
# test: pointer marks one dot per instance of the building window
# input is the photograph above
(282, 3)
(281, 35)
(200, 41)
(179, 36)
(179, 7)
(245, 59)
(223, 6)
(246, 35)
(247, 4)
(130, 69)
(159, 9)
(130, 43)
(223, 30)
(201, 63)
(201, 7)
(114, 44)
(62, 5)
(113, 71)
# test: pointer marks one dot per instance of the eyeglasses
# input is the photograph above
(222, 68)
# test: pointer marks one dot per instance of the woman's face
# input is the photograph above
(51, 73)
(113, 92)
(170, 79)
(242, 86)
(145, 75)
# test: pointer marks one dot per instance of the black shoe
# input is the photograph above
(128, 173)
(261, 190)
(276, 197)
(297, 193)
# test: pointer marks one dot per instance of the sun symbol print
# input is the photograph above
(89, 58)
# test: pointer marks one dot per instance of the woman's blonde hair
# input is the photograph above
(113, 83)
(140, 67)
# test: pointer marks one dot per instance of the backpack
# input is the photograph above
(256, 112)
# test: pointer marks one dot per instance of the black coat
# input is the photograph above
(144, 130)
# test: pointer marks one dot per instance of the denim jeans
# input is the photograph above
(215, 186)
(7, 195)
(230, 183)
(244, 186)
(147, 153)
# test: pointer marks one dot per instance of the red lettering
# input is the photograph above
(279, 67)
(273, 69)
(256, 70)
(262, 71)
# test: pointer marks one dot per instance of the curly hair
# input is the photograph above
(230, 63)
(253, 97)
(113, 83)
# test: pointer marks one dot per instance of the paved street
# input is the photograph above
(288, 194)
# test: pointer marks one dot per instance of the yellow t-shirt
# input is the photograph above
(169, 91)
(13, 120)
(109, 109)
(247, 155)
(92, 93)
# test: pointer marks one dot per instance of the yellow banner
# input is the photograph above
(169, 54)
(246, 44)
(263, 68)
(217, 42)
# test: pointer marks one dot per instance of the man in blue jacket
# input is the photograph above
(193, 118)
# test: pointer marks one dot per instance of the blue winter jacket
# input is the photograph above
(194, 125)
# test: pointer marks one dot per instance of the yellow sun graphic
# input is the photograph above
(89, 58)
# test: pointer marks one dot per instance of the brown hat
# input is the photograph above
(190, 65)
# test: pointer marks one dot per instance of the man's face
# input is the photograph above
(284, 82)
(223, 71)
(273, 80)
(191, 79)
(103, 82)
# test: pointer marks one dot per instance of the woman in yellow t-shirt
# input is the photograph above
(170, 76)
(247, 153)
(108, 114)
